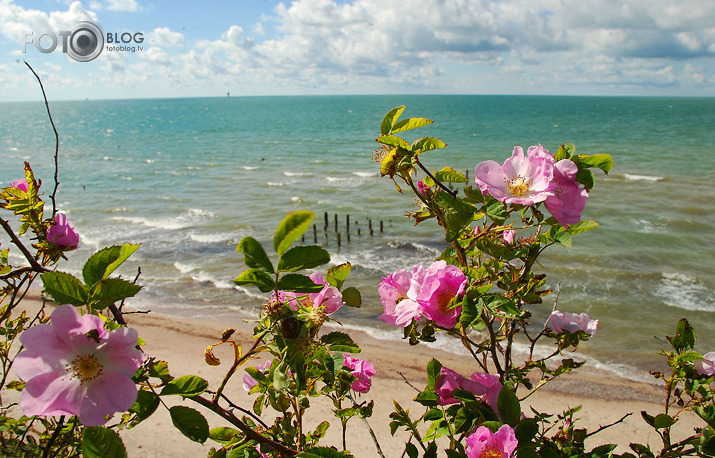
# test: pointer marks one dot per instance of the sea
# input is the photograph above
(189, 178)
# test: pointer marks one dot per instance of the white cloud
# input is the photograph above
(16, 21)
(163, 36)
(130, 6)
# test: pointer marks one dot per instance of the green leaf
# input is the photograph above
(425, 144)
(582, 226)
(471, 312)
(254, 255)
(334, 363)
(433, 370)
(291, 228)
(351, 297)
(257, 277)
(663, 421)
(336, 275)
(526, 430)
(707, 413)
(684, 339)
(601, 161)
(390, 119)
(323, 452)
(223, 434)
(585, 177)
(509, 407)
(495, 210)
(339, 341)
(393, 140)
(64, 288)
(303, 257)
(298, 283)
(190, 422)
(565, 151)
(104, 262)
(145, 405)
(111, 290)
(101, 442)
(160, 370)
(433, 414)
(187, 386)
(448, 174)
(409, 124)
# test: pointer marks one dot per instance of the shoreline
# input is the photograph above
(181, 342)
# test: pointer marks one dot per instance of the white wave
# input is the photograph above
(212, 238)
(295, 199)
(13, 148)
(338, 180)
(649, 227)
(685, 292)
(184, 268)
(365, 174)
(248, 167)
(189, 218)
(250, 293)
(149, 161)
(202, 277)
(634, 177)
(274, 183)
(297, 174)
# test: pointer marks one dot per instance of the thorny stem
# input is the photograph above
(57, 140)
(439, 183)
(33, 262)
(609, 425)
(369, 429)
(236, 364)
(247, 430)
(493, 349)
(56, 433)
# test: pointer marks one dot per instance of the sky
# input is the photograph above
(318, 47)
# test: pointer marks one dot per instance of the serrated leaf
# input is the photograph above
(298, 283)
(223, 434)
(336, 275)
(409, 124)
(64, 288)
(433, 370)
(256, 277)
(104, 262)
(449, 175)
(601, 161)
(190, 422)
(351, 297)
(509, 407)
(390, 119)
(582, 226)
(145, 405)
(339, 341)
(495, 211)
(565, 152)
(424, 144)
(291, 228)
(187, 386)
(111, 290)
(254, 255)
(394, 140)
(101, 442)
(663, 421)
(585, 177)
(303, 257)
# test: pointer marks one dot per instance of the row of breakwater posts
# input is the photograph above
(343, 233)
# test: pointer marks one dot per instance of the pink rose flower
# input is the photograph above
(521, 180)
(485, 387)
(329, 298)
(568, 199)
(508, 236)
(483, 443)
(249, 382)
(398, 295)
(62, 234)
(571, 322)
(442, 283)
(706, 366)
(362, 370)
(20, 184)
(74, 366)
(424, 190)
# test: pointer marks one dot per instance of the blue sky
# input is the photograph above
(269, 47)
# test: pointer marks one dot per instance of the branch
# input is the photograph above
(608, 426)
(33, 262)
(57, 141)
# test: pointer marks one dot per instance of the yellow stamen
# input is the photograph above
(518, 185)
(86, 368)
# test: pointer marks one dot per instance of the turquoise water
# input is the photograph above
(188, 178)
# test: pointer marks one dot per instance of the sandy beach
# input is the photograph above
(181, 342)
